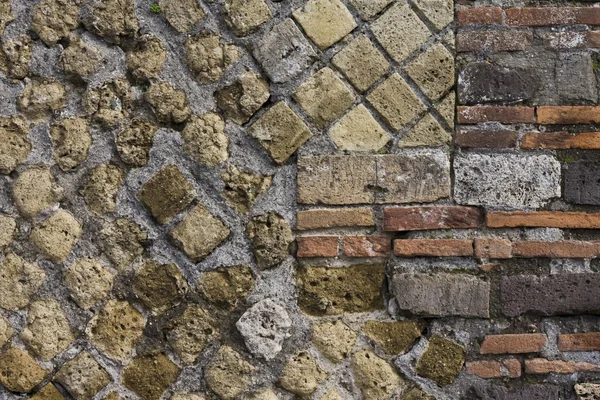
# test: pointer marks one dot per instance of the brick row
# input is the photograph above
(350, 246)
(508, 139)
(529, 16)
(509, 368)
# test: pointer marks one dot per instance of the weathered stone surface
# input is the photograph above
(200, 233)
(284, 52)
(369, 8)
(110, 102)
(265, 394)
(442, 361)
(183, 15)
(245, 16)
(361, 63)
(523, 392)
(159, 286)
(167, 193)
(8, 227)
(375, 378)
(242, 188)
(100, 191)
(35, 190)
(331, 394)
(116, 329)
(427, 132)
(205, 139)
(587, 391)
(446, 108)
(79, 58)
(240, 100)
(146, 59)
(47, 332)
(42, 97)
(271, 237)
(529, 294)
(582, 182)
(433, 70)
(335, 340)
(359, 131)
(53, 20)
(82, 376)
(122, 242)
(189, 333)
(150, 376)
(441, 295)
(393, 337)
(17, 56)
(48, 392)
(72, 140)
(88, 281)
(135, 141)
(19, 372)
(114, 20)
(6, 331)
(16, 147)
(439, 12)
(334, 291)
(228, 374)
(170, 105)
(506, 180)
(19, 281)
(325, 21)
(6, 15)
(575, 77)
(265, 326)
(187, 396)
(208, 57)
(227, 286)
(56, 236)
(302, 375)
(417, 394)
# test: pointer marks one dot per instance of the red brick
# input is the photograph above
(367, 246)
(513, 367)
(513, 343)
(317, 246)
(480, 15)
(543, 366)
(492, 248)
(579, 342)
(561, 140)
(425, 218)
(505, 114)
(495, 369)
(537, 219)
(493, 41)
(542, 16)
(334, 218)
(567, 115)
(481, 139)
(433, 248)
(566, 249)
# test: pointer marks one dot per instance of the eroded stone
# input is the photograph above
(150, 376)
(359, 131)
(53, 20)
(71, 139)
(183, 15)
(79, 58)
(208, 56)
(243, 98)
(88, 281)
(19, 372)
(427, 132)
(146, 59)
(335, 340)
(48, 392)
(442, 361)
(205, 139)
(228, 374)
(245, 16)
(100, 191)
(159, 286)
(8, 227)
(19, 281)
(16, 146)
(271, 237)
(439, 12)
(57, 235)
(191, 332)
(6, 331)
(42, 97)
(6, 15)
(135, 141)
(394, 337)
(35, 190)
(17, 56)
(375, 378)
(114, 20)
(433, 71)
(369, 8)
(168, 103)
(302, 375)
(227, 286)
(47, 332)
(265, 394)
(242, 188)
(109, 103)
(122, 241)
(325, 21)
(82, 376)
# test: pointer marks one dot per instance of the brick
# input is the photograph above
(566, 249)
(543, 366)
(504, 114)
(548, 16)
(561, 140)
(513, 367)
(425, 218)
(548, 219)
(593, 39)
(482, 139)
(534, 391)
(433, 248)
(579, 342)
(479, 16)
(582, 183)
(492, 248)
(495, 41)
(334, 218)
(566, 115)
(317, 246)
(488, 369)
(561, 294)
(367, 246)
(513, 343)
(440, 295)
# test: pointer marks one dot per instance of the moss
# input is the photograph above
(442, 361)
(155, 8)
(596, 62)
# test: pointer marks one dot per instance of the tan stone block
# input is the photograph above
(240, 100)
(56, 236)
(49, 392)
(439, 12)
(30, 373)
(302, 375)
(19, 281)
(427, 132)
(271, 237)
(228, 374)
(8, 226)
(446, 108)
(433, 71)
(150, 376)
(227, 286)
(359, 131)
(72, 140)
(35, 190)
(82, 376)
(88, 281)
(205, 139)
(208, 56)
(6, 331)
(122, 242)
(394, 337)
(16, 146)
(335, 340)
(369, 8)
(442, 361)
(183, 15)
(325, 21)
(245, 16)
(191, 332)
(135, 141)
(160, 287)
(100, 190)
(374, 376)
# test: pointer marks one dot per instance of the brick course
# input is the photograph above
(424, 218)
(579, 341)
(513, 343)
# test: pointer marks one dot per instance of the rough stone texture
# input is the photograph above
(19, 372)
(205, 139)
(433, 70)
(245, 16)
(88, 281)
(101, 189)
(227, 286)
(240, 100)
(35, 190)
(581, 183)
(302, 374)
(369, 8)
(6, 331)
(6, 15)
(335, 340)
(182, 15)
(110, 102)
(122, 242)
(243, 188)
(19, 281)
(80, 59)
(587, 391)
(191, 332)
(359, 131)
(168, 103)
(82, 376)
(325, 21)
(48, 392)
(266, 394)
(439, 12)
(228, 374)
(427, 132)
(8, 227)
(56, 236)
(71, 139)
(15, 149)
(17, 56)
(208, 57)
(42, 97)
(375, 378)
(147, 57)
(114, 20)
(442, 361)
(150, 376)
(135, 141)
(393, 337)
(160, 287)
(271, 238)
(53, 20)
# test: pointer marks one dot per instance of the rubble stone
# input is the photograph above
(122, 241)
(442, 361)
(271, 237)
(375, 378)
(191, 332)
(88, 281)
(19, 372)
(205, 139)
(394, 337)
(168, 103)
(71, 139)
(240, 100)
(6, 15)
(242, 188)
(114, 20)
(302, 375)
(53, 20)
(150, 376)
(42, 97)
(57, 235)
(109, 103)
(35, 190)
(159, 286)
(82, 376)
(228, 374)
(245, 16)
(227, 286)
(8, 227)
(335, 340)
(16, 147)
(183, 15)
(17, 56)
(79, 58)
(19, 281)
(146, 59)
(135, 141)
(101, 189)
(208, 57)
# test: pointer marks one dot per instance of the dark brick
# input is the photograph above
(480, 15)
(529, 392)
(424, 218)
(582, 183)
(482, 139)
(493, 41)
(505, 114)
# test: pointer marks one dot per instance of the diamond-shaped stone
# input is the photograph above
(325, 21)
(396, 102)
(359, 131)
(439, 12)
(246, 15)
(446, 108)
(57, 235)
(324, 97)
(367, 9)
(82, 376)
(433, 71)
(427, 132)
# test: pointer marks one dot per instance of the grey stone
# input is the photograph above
(506, 180)
(582, 182)
(441, 295)
(525, 392)
(563, 294)
(575, 77)
(265, 326)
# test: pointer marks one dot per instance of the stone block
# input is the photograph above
(325, 21)
(582, 182)
(359, 131)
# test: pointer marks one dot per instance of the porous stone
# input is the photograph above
(116, 329)
(122, 241)
(48, 392)
(427, 132)
(324, 97)
(114, 20)
(284, 52)
(35, 190)
(170, 105)
(417, 394)
(47, 332)
(226, 287)
(433, 71)
(150, 376)
(19, 281)
(441, 295)
(280, 131)
(82, 376)
(160, 287)
(71, 139)
(394, 337)
(42, 97)
(19, 372)
(53, 20)
(528, 391)
(271, 237)
(88, 281)
(183, 15)
(442, 361)
(506, 180)
(587, 391)
(265, 394)
(361, 63)
(446, 109)
(109, 103)
(242, 188)
(205, 139)
(264, 327)
(16, 146)
(187, 396)
(302, 375)
(200, 233)
(228, 374)
(331, 394)
(335, 291)
(208, 56)
(17, 56)
(376, 379)
(439, 12)
(191, 332)
(396, 102)
(146, 59)
(8, 226)
(135, 141)
(6, 331)
(358, 131)
(79, 58)
(576, 77)
(57, 235)
(167, 193)
(325, 21)
(335, 340)
(582, 185)
(245, 16)
(112, 396)
(100, 191)
(6, 15)
(369, 8)
(240, 100)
